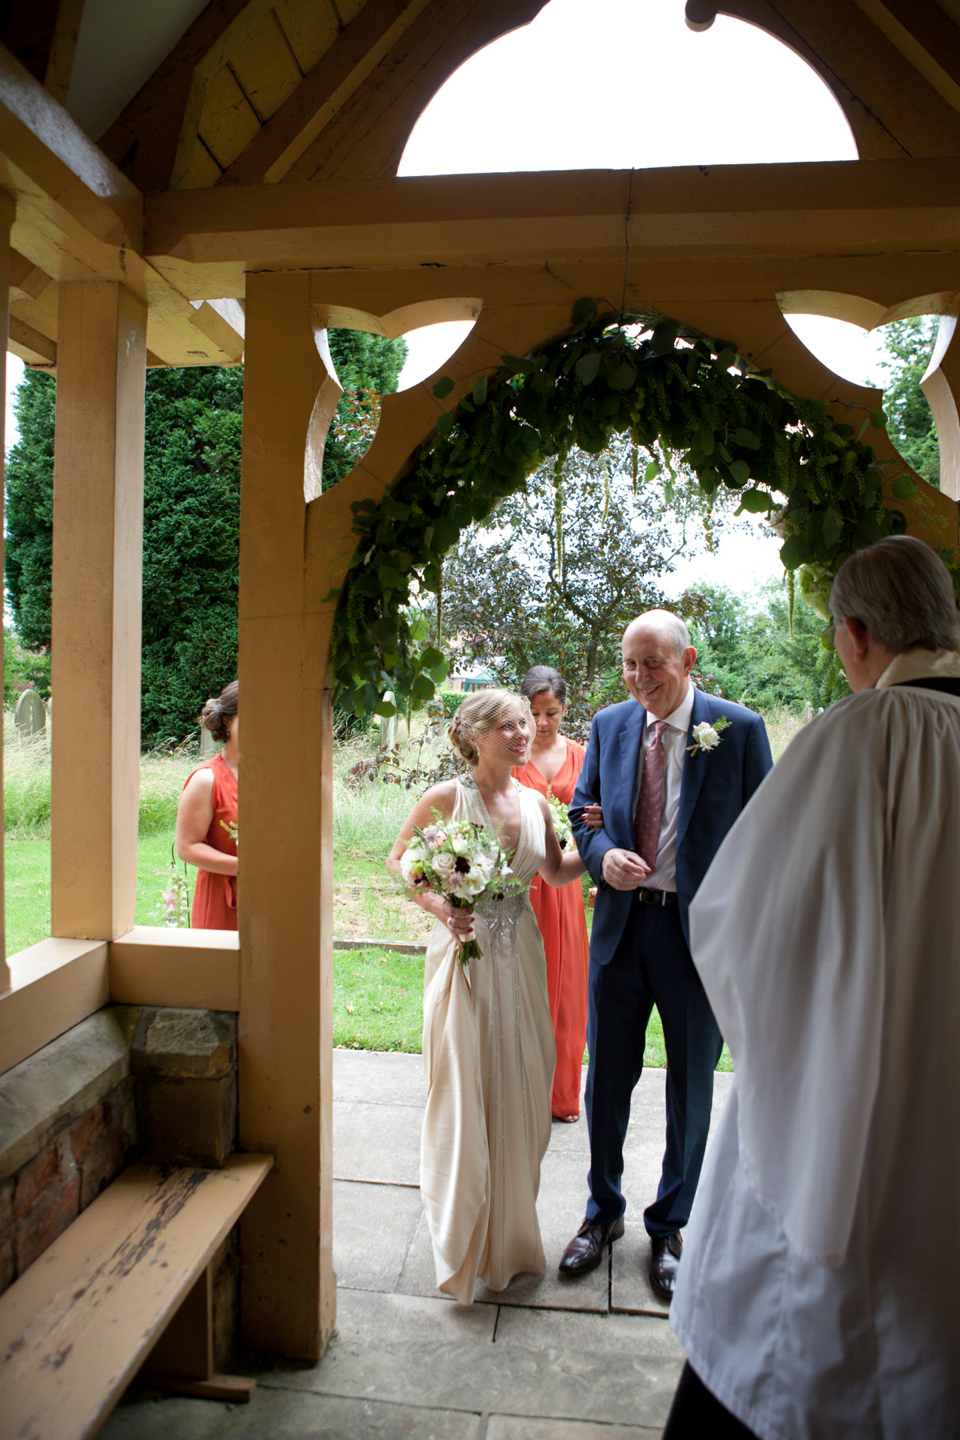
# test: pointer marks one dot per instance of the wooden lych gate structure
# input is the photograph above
(245, 199)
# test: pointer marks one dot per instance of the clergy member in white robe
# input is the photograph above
(820, 1290)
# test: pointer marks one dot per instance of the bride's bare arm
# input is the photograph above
(437, 801)
(559, 867)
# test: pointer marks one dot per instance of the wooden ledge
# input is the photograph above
(194, 969)
(53, 986)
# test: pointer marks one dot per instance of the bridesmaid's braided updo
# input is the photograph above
(478, 714)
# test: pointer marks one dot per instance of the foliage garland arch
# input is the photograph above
(647, 377)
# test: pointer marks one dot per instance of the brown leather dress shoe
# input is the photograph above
(664, 1264)
(586, 1249)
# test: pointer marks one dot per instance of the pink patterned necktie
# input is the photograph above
(647, 824)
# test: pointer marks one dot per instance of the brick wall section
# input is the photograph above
(40, 1200)
(128, 1082)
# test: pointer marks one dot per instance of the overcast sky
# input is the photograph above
(621, 84)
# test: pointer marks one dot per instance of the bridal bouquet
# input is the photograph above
(461, 861)
(561, 821)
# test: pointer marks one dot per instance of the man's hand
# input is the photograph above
(624, 870)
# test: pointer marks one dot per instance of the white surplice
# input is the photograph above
(819, 1292)
(489, 1054)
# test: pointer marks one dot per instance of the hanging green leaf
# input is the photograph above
(583, 311)
(442, 387)
(480, 391)
(755, 502)
(588, 366)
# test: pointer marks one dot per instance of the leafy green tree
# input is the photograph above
(23, 669)
(558, 572)
(763, 657)
(909, 418)
(367, 366)
(29, 510)
(192, 458)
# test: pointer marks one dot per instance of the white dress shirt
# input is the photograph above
(675, 739)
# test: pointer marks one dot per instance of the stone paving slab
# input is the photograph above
(374, 1141)
(374, 1075)
(373, 1229)
(514, 1427)
(279, 1414)
(617, 1369)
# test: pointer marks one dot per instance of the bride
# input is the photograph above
(488, 1044)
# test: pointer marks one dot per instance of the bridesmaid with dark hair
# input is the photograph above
(552, 769)
(207, 819)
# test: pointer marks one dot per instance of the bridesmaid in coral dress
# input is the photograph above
(552, 769)
(207, 820)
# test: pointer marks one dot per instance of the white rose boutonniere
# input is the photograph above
(707, 736)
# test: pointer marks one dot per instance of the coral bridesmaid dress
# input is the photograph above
(564, 929)
(215, 896)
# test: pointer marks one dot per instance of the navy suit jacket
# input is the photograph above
(716, 785)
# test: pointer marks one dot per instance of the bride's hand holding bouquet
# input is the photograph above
(458, 861)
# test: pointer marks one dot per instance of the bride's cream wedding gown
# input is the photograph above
(488, 1051)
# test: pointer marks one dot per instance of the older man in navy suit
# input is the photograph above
(672, 769)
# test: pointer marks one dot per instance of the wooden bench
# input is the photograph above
(128, 1280)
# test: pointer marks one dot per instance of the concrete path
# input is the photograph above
(544, 1360)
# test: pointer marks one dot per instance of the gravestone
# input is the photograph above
(388, 723)
(30, 717)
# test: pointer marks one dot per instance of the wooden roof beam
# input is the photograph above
(856, 207)
(159, 126)
(338, 74)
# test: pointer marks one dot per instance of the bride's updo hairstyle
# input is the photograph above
(478, 714)
(217, 712)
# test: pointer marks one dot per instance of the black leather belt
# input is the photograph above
(646, 896)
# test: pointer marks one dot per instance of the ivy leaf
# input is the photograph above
(439, 672)
(755, 502)
(445, 423)
(386, 708)
(727, 358)
(330, 595)
(652, 471)
(588, 367)
(746, 438)
(792, 552)
(541, 382)
(583, 311)
(739, 473)
(423, 688)
(706, 441)
(390, 579)
(903, 486)
(877, 419)
(443, 387)
(515, 365)
(664, 337)
(623, 377)
(430, 657)
(480, 391)
(831, 528)
(724, 454)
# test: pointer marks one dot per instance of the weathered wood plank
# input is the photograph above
(75, 1327)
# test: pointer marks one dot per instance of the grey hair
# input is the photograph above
(543, 679)
(902, 592)
(478, 714)
(666, 621)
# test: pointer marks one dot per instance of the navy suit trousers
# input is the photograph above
(650, 966)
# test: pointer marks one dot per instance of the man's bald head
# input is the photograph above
(657, 660)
